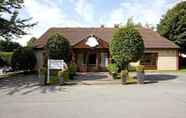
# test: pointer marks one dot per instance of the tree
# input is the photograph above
(30, 43)
(11, 25)
(23, 59)
(149, 26)
(173, 25)
(126, 45)
(58, 47)
(8, 46)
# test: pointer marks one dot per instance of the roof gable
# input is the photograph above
(82, 43)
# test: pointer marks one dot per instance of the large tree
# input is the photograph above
(126, 45)
(173, 25)
(11, 25)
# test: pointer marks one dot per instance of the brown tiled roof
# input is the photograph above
(151, 38)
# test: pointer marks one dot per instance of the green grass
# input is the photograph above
(10, 74)
(6, 53)
(164, 71)
(183, 70)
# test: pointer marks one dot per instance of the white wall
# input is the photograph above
(39, 57)
(167, 58)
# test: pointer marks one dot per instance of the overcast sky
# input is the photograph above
(91, 13)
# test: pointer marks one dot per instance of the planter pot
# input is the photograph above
(61, 80)
(61, 77)
(140, 77)
(113, 75)
(124, 79)
(42, 79)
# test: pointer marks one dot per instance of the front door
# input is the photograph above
(91, 62)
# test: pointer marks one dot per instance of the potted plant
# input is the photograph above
(61, 77)
(140, 74)
(42, 73)
(124, 76)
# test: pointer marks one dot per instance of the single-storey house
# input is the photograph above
(90, 48)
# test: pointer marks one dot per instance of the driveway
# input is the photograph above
(163, 96)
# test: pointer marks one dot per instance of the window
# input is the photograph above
(149, 60)
(104, 59)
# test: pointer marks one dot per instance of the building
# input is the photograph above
(90, 48)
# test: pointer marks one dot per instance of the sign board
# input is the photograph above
(55, 64)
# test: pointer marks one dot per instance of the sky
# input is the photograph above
(90, 13)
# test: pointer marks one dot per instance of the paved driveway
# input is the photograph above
(164, 96)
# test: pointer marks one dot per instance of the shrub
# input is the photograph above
(54, 79)
(23, 59)
(116, 76)
(66, 75)
(58, 47)
(112, 68)
(6, 57)
(72, 68)
(140, 68)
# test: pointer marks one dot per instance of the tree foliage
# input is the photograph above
(58, 47)
(10, 24)
(126, 45)
(30, 43)
(173, 25)
(23, 59)
(8, 46)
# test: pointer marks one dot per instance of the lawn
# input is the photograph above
(183, 70)
(10, 74)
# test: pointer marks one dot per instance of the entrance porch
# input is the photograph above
(92, 60)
